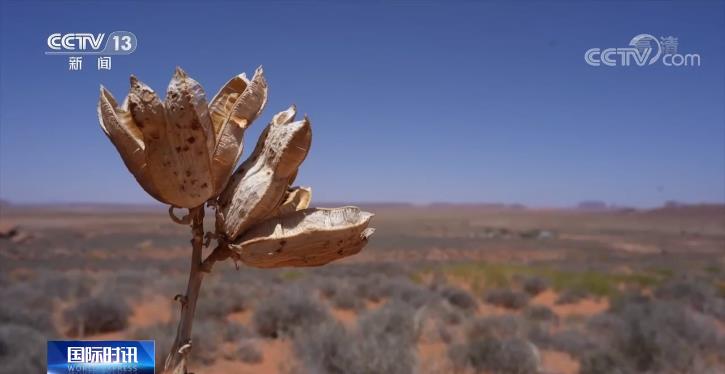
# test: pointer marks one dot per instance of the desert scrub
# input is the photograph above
(503, 326)
(96, 315)
(506, 298)
(22, 349)
(234, 331)
(395, 319)
(654, 336)
(220, 299)
(340, 293)
(534, 285)
(159, 333)
(371, 288)
(287, 312)
(603, 361)
(458, 298)
(346, 299)
(26, 305)
(626, 298)
(509, 355)
(699, 294)
(496, 344)
(540, 313)
(327, 286)
(246, 350)
(573, 341)
(383, 343)
(65, 285)
(404, 290)
(571, 296)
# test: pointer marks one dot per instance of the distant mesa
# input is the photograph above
(679, 208)
(593, 205)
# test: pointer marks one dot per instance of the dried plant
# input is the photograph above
(182, 151)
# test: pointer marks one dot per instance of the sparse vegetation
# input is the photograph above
(571, 296)
(459, 298)
(381, 344)
(660, 336)
(287, 312)
(220, 299)
(495, 344)
(535, 285)
(341, 295)
(159, 333)
(698, 294)
(540, 313)
(247, 351)
(661, 315)
(22, 349)
(95, 315)
(506, 298)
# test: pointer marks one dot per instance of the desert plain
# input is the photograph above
(440, 288)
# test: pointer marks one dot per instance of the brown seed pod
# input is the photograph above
(182, 150)
(310, 237)
(296, 198)
(258, 187)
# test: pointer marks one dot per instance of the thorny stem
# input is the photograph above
(177, 359)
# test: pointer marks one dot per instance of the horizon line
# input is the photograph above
(592, 204)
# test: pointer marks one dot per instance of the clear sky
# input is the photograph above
(417, 101)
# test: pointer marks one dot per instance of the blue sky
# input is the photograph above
(409, 101)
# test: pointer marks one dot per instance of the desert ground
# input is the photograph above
(439, 289)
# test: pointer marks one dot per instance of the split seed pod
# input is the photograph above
(310, 237)
(181, 150)
(257, 188)
(297, 198)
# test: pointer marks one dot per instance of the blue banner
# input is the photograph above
(101, 357)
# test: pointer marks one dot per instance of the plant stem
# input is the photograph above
(178, 356)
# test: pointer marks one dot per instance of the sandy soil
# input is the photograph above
(558, 363)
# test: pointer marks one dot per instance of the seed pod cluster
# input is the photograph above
(182, 151)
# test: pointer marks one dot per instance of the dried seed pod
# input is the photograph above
(233, 109)
(258, 186)
(296, 198)
(178, 151)
(310, 237)
(118, 125)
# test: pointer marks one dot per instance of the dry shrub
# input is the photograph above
(26, 304)
(534, 285)
(97, 315)
(540, 313)
(642, 335)
(248, 352)
(459, 298)
(219, 299)
(383, 343)
(496, 344)
(506, 298)
(699, 294)
(286, 312)
(22, 349)
(571, 296)
(162, 335)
